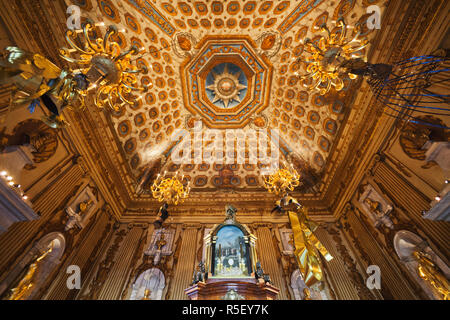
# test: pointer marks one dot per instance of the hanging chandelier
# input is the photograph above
(403, 87)
(103, 64)
(170, 190)
(284, 179)
(326, 55)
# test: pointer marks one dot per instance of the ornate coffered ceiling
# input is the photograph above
(225, 81)
(227, 65)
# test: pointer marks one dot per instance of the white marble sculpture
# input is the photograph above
(376, 207)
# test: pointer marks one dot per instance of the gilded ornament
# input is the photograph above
(328, 55)
(428, 271)
(283, 179)
(170, 190)
(305, 242)
(268, 42)
(27, 284)
(184, 43)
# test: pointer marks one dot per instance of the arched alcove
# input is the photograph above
(231, 255)
(297, 285)
(317, 291)
(405, 244)
(58, 242)
(151, 279)
(48, 250)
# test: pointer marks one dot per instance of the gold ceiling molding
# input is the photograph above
(300, 12)
(153, 15)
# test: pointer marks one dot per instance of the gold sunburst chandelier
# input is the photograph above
(328, 55)
(284, 179)
(170, 190)
(105, 66)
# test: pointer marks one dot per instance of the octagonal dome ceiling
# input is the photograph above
(227, 64)
(225, 81)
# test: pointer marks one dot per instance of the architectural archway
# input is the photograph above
(297, 285)
(405, 244)
(35, 267)
(153, 281)
(318, 291)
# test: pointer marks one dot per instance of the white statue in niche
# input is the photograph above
(287, 240)
(75, 218)
(160, 244)
(376, 207)
(81, 209)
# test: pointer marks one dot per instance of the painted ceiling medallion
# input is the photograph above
(226, 86)
(226, 81)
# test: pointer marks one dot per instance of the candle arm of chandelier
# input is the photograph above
(123, 98)
(96, 48)
(133, 88)
(133, 50)
(69, 33)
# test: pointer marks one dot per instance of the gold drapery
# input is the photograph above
(305, 244)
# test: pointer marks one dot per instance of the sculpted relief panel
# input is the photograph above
(375, 206)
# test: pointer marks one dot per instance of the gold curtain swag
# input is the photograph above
(305, 244)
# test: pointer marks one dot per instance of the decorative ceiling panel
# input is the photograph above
(232, 64)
